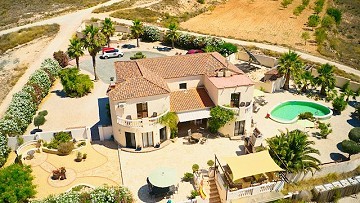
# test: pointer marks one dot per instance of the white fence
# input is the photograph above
(278, 186)
(77, 133)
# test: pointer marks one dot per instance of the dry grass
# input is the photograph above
(309, 184)
(12, 76)
(13, 13)
(115, 6)
(23, 36)
(143, 14)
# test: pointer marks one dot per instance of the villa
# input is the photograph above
(189, 85)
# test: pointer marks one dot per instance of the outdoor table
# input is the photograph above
(31, 153)
(196, 136)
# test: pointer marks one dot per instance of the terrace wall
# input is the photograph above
(264, 60)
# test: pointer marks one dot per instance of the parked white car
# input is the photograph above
(111, 53)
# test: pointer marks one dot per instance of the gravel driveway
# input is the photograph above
(105, 67)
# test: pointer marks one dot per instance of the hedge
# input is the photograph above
(4, 149)
(187, 41)
(151, 34)
(24, 103)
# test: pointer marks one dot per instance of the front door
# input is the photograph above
(239, 128)
(130, 140)
(163, 136)
(147, 139)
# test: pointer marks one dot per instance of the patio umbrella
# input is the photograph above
(163, 177)
(306, 123)
(258, 93)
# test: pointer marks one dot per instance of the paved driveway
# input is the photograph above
(105, 67)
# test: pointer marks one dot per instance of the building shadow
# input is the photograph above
(246, 67)
(59, 93)
(108, 144)
(104, 118)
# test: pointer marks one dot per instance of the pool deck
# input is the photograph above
(341, 125)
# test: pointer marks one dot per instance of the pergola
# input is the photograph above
(251, 164)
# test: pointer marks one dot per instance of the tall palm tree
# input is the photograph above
(137, 29)
(292, 151)
(108, 29)
(172, 33)
(289, 63)
(93, 41)
(304, 79)
(326, 78)
(75, 49)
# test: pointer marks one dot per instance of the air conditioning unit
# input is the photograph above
(120, 105)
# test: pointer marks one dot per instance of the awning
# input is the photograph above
(251, 164)
(193, 115)
(163, 177)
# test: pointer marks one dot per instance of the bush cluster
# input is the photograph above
(4, 149)
(137, 55)
(306, 115)
(60, 137)
(299, 9)
(62, 58)
(25, 103)
(74, 83)
(151, 34)
(334, 13)
(319, 4)
(313, 20)
(219, 117)
(101, 194)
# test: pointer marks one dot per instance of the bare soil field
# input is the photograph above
(14, 63)
(255, 20)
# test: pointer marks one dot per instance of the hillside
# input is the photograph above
(22, 11)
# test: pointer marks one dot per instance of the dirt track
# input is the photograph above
(256, 20)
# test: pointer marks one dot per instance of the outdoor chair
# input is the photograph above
(203, 140)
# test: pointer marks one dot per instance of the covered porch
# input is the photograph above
(248, 175)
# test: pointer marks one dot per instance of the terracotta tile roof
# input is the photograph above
(273, 71)
(135, 88)
(232, 81)
(192, 99)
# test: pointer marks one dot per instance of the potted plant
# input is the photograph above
(62, 173)
(79, 157)
(84, 156)
(55, 174)
(195, 168)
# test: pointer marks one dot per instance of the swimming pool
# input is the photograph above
(288, 111)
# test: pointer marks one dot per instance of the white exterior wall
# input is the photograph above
(158, 103)
(224, 95)
(191, 81)
(211, 90)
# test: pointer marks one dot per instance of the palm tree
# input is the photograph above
(172, 33)
(292, 151)
(94, 40)
(75, 49)
(137, 29)
(289, 63)
(108, 29)
(304, 79)
(326, 78)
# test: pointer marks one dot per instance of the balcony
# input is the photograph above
(144, 122)
(241, 111)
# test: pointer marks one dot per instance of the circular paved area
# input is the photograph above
(105, 67)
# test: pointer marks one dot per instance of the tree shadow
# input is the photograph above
(338, 157)
(59, 93)
(338, 146)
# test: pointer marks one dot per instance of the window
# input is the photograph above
(142, 110)
(182, 86)
(235, 99)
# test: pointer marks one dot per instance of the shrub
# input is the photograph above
(219, 117)
(350, 147)
(84, 156)
(188, 177)
(42, 79)
(313, 20)
(138, 55)
(19, 140)
(111, 194)
(327, 21)
(65, 148)
(201, 1)
(81, 144)
(325, 129)
(4, 149)
(43, 113)
(335, 13)
(320, 35)
(10, 127)
(210, 163)
(151, 34)
(339, 104)
(16, 183)
(298, 10)
(195, 167)
(319, 4)
(74, 83)
(193, 194)
(62, 58)
(78, 157)
(39, 120)
(52, 66)
(285, 3)
(306, 115)
(63, 137)
(354, 135)
(171, 120)
(227, 49)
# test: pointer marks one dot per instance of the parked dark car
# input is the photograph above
(162, 48)
(128, 46)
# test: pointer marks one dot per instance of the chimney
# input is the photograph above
(220, 74)
(227, 73)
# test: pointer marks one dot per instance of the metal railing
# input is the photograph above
(140, 122)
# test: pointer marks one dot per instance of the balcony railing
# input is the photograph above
(140, 122)
(242, 110)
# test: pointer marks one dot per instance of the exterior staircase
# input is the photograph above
(211, 191)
